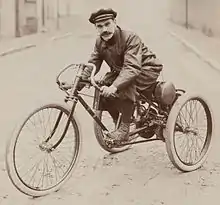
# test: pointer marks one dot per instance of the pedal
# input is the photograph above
(109, 142)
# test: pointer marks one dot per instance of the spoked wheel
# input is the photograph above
(38, 160)
(108, 122)
(188, 132)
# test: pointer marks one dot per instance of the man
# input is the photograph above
(133, 68)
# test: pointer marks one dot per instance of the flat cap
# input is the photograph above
(102, 14)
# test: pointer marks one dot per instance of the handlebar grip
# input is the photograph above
(115, 95)
(65, 86)
(58, 82)
(85, 81)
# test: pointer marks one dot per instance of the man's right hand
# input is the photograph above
(108, 91)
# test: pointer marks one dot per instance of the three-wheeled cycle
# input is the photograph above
(41, 155)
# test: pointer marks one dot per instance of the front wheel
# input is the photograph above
(188, 132)
(34, 164)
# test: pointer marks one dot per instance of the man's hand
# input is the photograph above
(66, 86)
(108, 91)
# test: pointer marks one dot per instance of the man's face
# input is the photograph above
(106, 28)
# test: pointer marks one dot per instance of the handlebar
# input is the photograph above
(62, 71)
(80, 68)
(92, 80)
(78, 78)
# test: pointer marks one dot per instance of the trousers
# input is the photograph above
(115, 106)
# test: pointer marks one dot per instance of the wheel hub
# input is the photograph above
(46, 147)
(189, 130)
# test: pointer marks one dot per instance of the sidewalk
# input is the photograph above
(70, 26)
(206, 48)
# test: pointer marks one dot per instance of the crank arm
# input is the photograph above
(138, 142)
(136, 131)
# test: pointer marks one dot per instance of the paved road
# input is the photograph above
(142, 175)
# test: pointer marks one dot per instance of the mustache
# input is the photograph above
(105, 33)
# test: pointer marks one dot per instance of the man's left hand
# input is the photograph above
(108, 91)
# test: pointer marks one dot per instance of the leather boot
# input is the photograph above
(121, 134)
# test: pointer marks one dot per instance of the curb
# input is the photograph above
(214, 64)
(28, 46)
(66, 35)
(15, 50)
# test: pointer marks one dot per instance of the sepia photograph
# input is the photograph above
(108, 102)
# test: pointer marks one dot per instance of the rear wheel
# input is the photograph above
(34, 167)
(107, 120)
(188, 132)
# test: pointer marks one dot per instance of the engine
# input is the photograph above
(146, 118)
(165, 93)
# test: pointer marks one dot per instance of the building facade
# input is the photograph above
(7, 18)
(199, 14)
(24, 17)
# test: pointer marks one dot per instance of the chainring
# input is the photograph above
(147, 120)
(149, 133)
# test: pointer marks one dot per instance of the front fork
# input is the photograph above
(75, 99)
(44, 144)
(73, 96)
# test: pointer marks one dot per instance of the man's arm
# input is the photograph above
(132, 62)
(96, 59)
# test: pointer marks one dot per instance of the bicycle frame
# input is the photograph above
(150, 117)
(77, 98)
(74, 97)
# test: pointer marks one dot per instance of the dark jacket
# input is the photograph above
(133, 66)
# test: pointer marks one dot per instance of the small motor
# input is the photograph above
(142, 110)
(165, 93)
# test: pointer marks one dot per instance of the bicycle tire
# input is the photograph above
(100, 137)
(10, 155)
(169, 133)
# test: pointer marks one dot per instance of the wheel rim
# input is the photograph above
(109, 123)
(107, 120)
(44, 169)
(193, 130)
